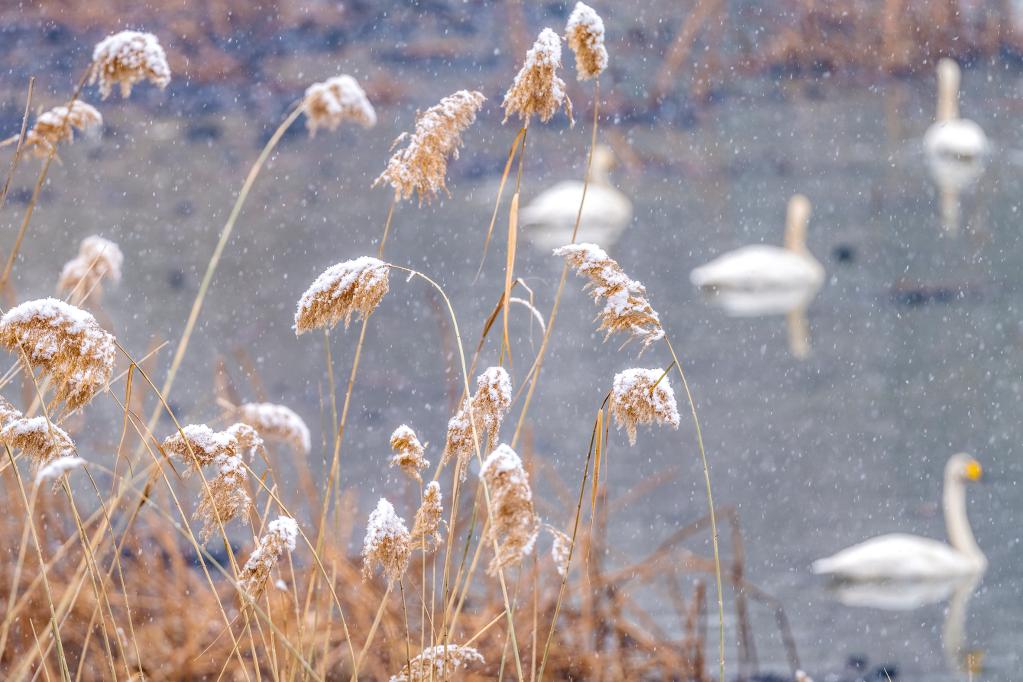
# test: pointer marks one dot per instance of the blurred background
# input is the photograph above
(827, 421)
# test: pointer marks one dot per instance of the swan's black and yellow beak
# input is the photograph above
(973, 471)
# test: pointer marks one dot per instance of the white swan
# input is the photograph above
(950, 137)
(548, 220)
(902, 557)
(781, 277)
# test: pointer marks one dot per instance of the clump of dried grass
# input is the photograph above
(280, 537)
(488, 405)
(426, 529)
(127, 58)
(642, 396)
(513, 522)
(421, 166)
(438, 663)
(65, 342)
(408, 452)
(198, 445)
(224, 498)
(277, 422)
(41, 440)
(334, 101)
(584, 32)
(561, 547)
(537, 90)
(387, 543)
(343, 290)
(58, 125)
(626, 308)
(98, 259)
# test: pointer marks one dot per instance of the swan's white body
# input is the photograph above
(786, 275)
(899, 595)
(958, 139)
(548, 220)
(901, 557)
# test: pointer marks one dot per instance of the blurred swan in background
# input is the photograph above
(910, 558)
(956, 147)
(548, 220)
(762, 280)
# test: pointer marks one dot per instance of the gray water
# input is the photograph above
(916, 337)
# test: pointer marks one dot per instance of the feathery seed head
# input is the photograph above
(626, 308)
(426, 530)
(334, 101)
(126, 58)
(58, 467)
(65, 342)
(355, 286)
(226, 498)
(438, 663)
(281, 535)
(585, 35)
(537, 89)
(489, 405)
(560, 550)
(408, 452)
(421, 166)
(513, 523)
(277, 422)
(41, 440)
(635, 400)
(387, 543)
(199, 445)
(83, 275)
(58, 124)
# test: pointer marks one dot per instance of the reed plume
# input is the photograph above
(355, 286)
(489, 405)
(626, 308)
(127, 58)
(199, 445)
(277, 422)
(584, 32)
(58, 125)
(438, 663)
(537, 89)
(426, 529)
(408, 452)
(98, 259)
(224, 498)
(642, 396)
(65, 342)
(513, 523)
(334, 101)
(41, 440)
(58, 467)
(387, 543)
(421, 166)
(281, 534)
(561, 549)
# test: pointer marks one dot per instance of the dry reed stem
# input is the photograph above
(19, 145)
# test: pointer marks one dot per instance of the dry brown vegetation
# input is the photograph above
(109, 576)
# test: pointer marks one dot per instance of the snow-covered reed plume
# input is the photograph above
(421, 166)
(489, 406)
(281, 534)
(636, 400)
(537, 89)
(426, 529)
(98, 259)
(58, 125)
(408, 452)
(560, 550)
(387, 543)
(334, 101)
(58, 467)
(585, 35)
(513, 522)
(626, 308)
(65, 342)
(277, 422)
(198, 445)
(438, 663)
(127, 58)
(355, 286)
(226, 499)
(40, 440)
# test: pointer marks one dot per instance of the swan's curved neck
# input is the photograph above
(948, 92)
(960, 536)
(599, 169)
(795, 225)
